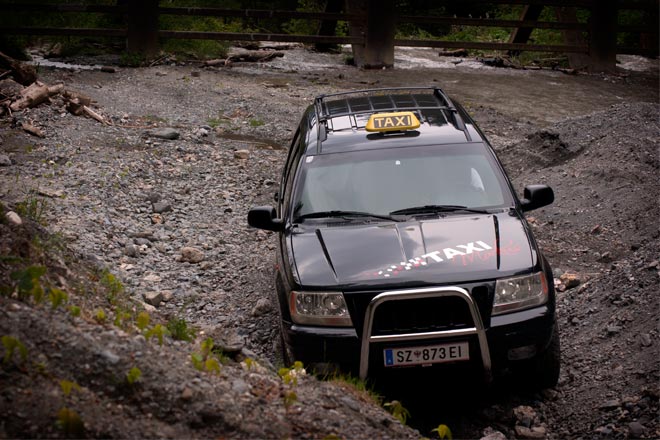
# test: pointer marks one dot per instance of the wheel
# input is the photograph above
(285, 352)
(542, 371)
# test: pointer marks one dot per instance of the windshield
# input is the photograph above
(387, 180)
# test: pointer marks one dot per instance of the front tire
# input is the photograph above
(542, 371)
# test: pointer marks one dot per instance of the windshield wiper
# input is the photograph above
(433, 209)
(327, 214)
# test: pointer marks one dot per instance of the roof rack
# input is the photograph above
(381, 100)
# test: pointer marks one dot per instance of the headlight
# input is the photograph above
(512, 294)
(319, 308)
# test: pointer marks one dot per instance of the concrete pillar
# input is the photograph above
(378, 31)
(602, 41)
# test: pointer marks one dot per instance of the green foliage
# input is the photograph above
(70, 422)
(211, 365)
(121, 319)
(178, 328)
(207, 360)
(443, 432)
(100, 316)
(33, 207)
(290, 397)
(359, 385)
(142, 320)
(57, 297)
(133, 376)
(290, 375)
(29, 284)
(68, 386)
(157, 331)
(197, 361)
(74, 310)
(398, 411)
(114, 286)
(206, 346)
(254, 123)
(302, 26)
(11, 344)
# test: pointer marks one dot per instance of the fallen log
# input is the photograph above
(34, 95)
(75, 102)
(22, 73)
(92, 114)
(33, 130)
(250, 56)
(453, 53)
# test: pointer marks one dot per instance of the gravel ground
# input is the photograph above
(167, 216)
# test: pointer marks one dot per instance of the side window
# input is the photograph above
(287, 169)
(289, 181)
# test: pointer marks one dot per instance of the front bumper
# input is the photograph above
(495, 343)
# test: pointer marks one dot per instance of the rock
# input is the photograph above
(131, 250)
(240, 386)
(241, 154)
(152, 278)
(492, 434)
(604, 430)
(13, 218)
(164, 133)
(109, 356)
(613, 329)
(167, 295)
(262, 307)
(653, 265)
(5, 161)
(161, 206)
(636, 429)
(186, 394)
(535, 432)
(229, 341)
(645, 340)
(550, 394)
(153, 298)
(191, 255)
(596, 229)
(157, 219)
(152, 197)
(525, 415)
(570, 279)
(610, 404)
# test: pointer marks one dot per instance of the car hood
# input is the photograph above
(453, 249)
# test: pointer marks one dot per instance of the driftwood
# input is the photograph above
(245, 56)
(34, 95)
(22, 73)
(453, 53)
(92, 114)
(75, 102)
(35, 131)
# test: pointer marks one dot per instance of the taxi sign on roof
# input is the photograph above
(392, 121)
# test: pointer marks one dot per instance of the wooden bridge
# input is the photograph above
(372, 27)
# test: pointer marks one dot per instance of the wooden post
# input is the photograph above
(378, 49)
(522, 34)
(142, 18)
(328, 27)
(602, 44)
(572, 37)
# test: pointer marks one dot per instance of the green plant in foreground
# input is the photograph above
(12, 344)
(443, 432)
(68, 386)
(28, 282)
(290, 375)
(178, 328)
(74, 310)
(121, 318)
(206, 360)
(256, 123)
(113, 284)
(32, 207)
(70, 422)
(398, 411)
(57, 297)
(290, 397)
(133, 375)
(142, 320)
(157, 331)
(100, 316)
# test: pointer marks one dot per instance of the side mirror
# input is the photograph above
(536, 196)
(263, 217)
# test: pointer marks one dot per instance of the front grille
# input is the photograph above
(421, 315)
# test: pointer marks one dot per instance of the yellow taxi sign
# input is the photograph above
(392, 121)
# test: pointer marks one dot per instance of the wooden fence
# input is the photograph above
(372, 25)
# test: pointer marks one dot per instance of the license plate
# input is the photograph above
(430, 354)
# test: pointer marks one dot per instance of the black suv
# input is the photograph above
(402, 244)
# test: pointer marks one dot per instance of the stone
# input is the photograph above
(152, 278)
(13, 218)
(610, 404)
(153, 298)
(492, 434)
(167, 133)
(538, 432)
(645, 340)
(161, 206)
(240, 386)
(167, 295)
(262, 307)
(152, 197)
(525, 415)
(109, 356)
(613, 329)
(570, 279)
(192, 255)
(131, 250)
(636, 430)
(5, 161)
(241, 154)
(229, 341)
(157, 219)
(186, 394)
